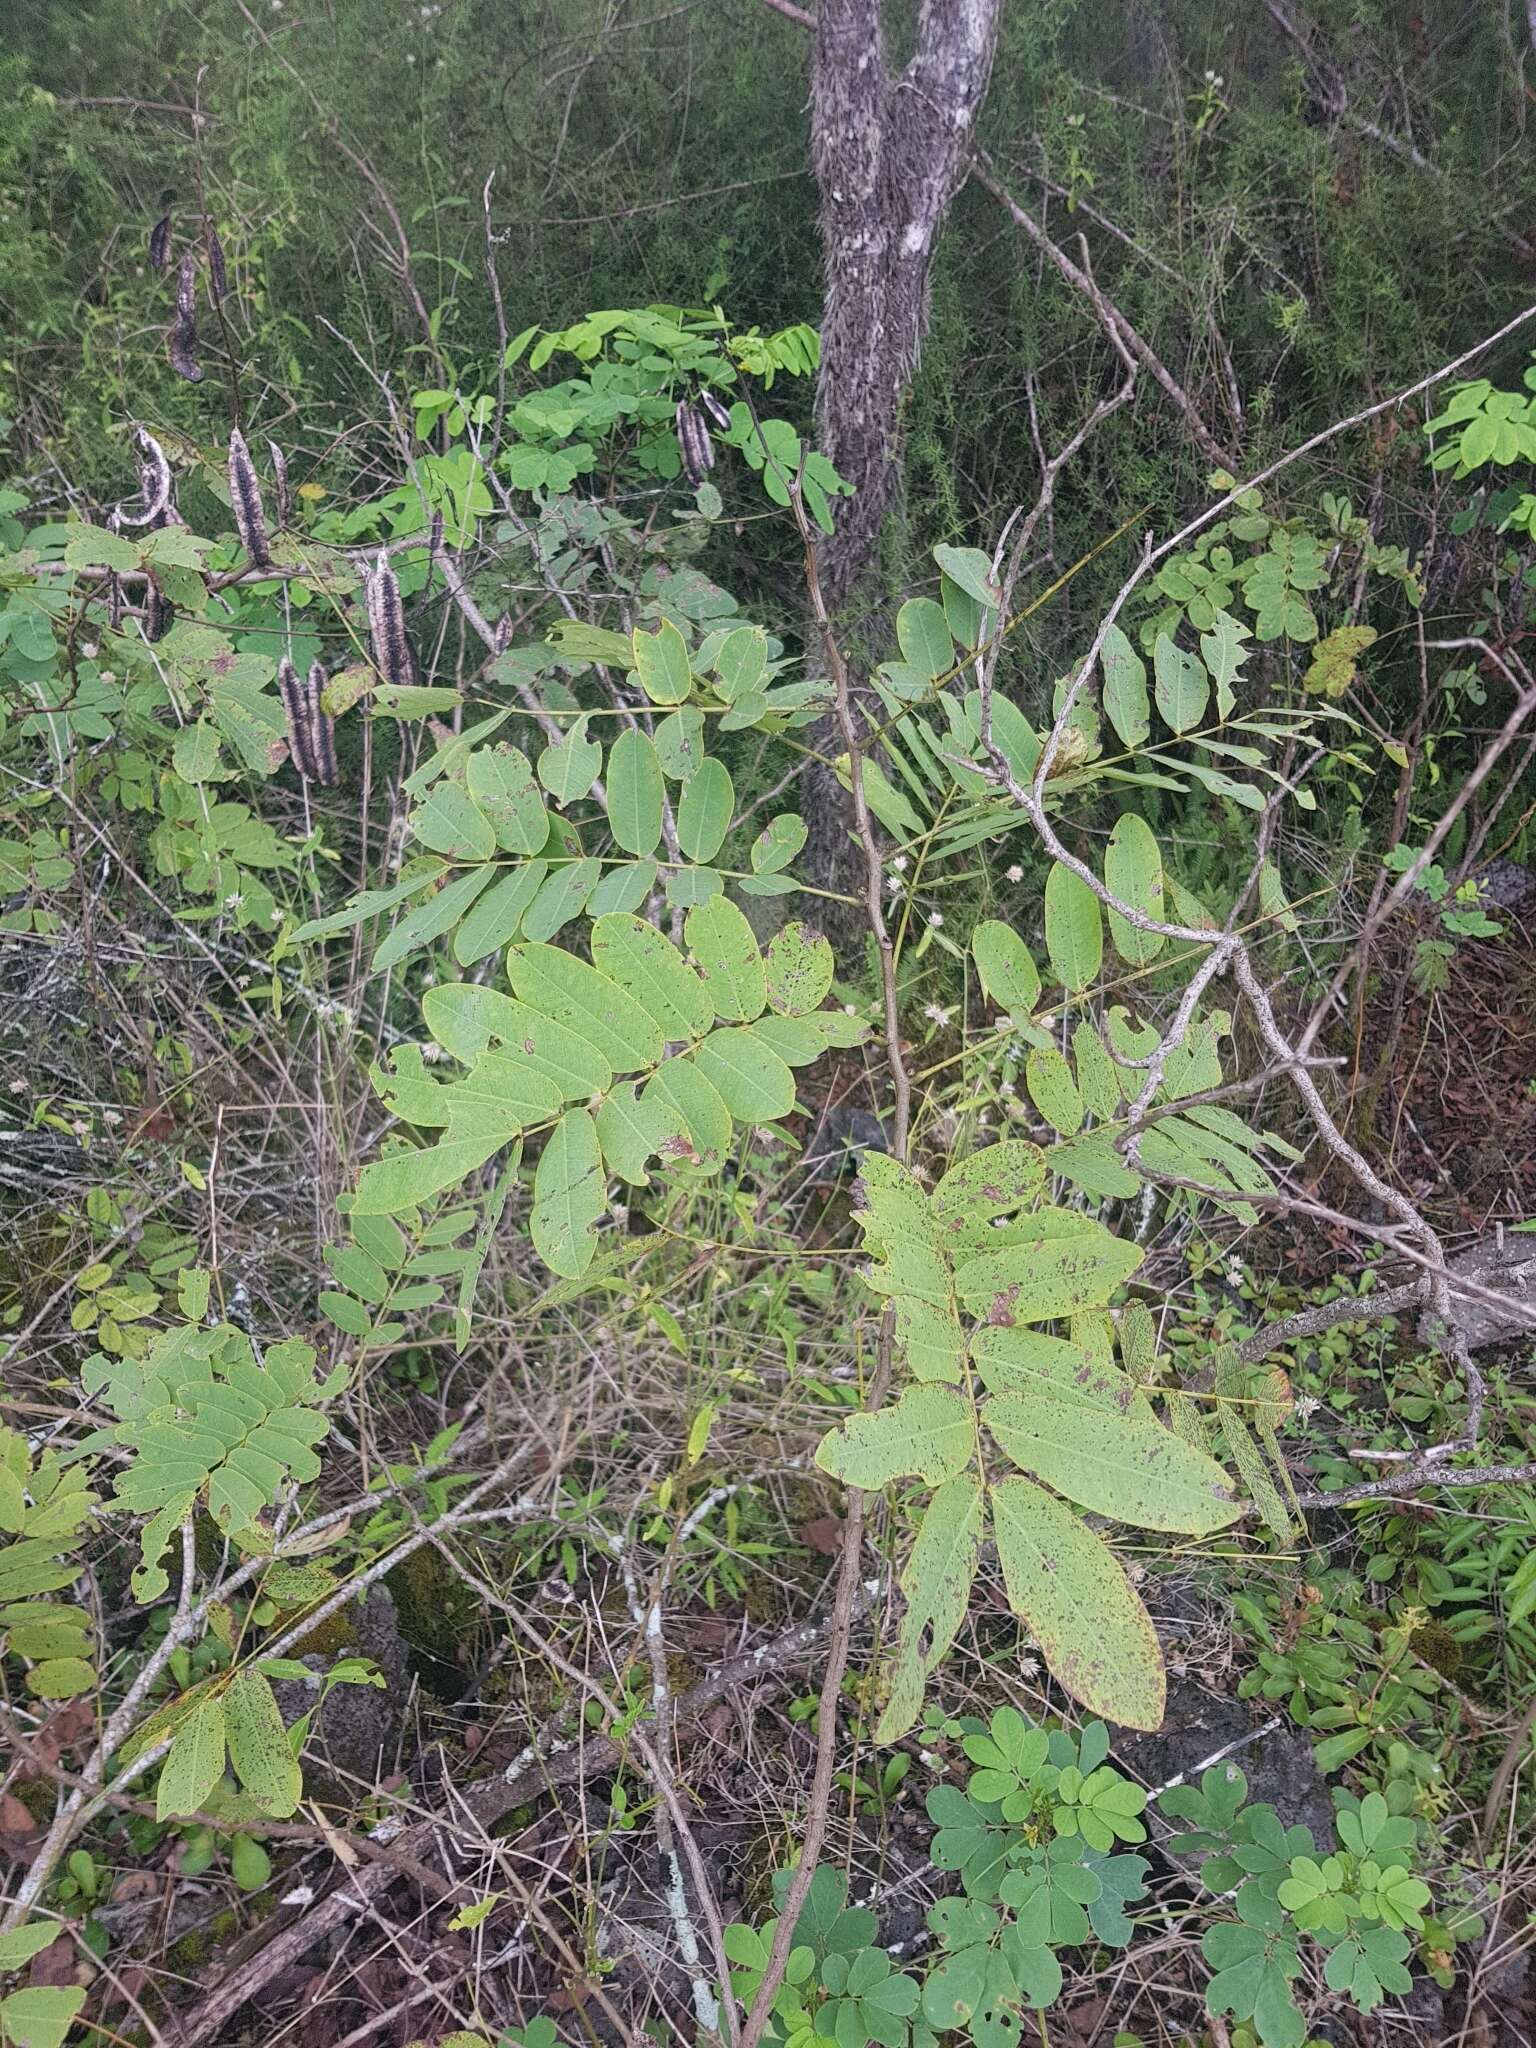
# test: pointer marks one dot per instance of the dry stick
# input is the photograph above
(486, 1802)
(819, 1810)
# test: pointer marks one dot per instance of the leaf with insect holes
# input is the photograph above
(1125, 1466)
(696, 1100)
(569, 768)
(752, 1081)
(1225, 650)
(465, 1018)
(634, 791)
(560, 986)
(936, 1585)
(722, 943)
(1074, 932)
(631, 1130)
(661, 663)
(1126, 704)
(778, 843)
(501, 782)
(705, 810)
(1182, 685)
(1070, 1590)
(799, 969)
(645, 963)
(569, 1195)
(1052, 1089)
(258, 1745)
(1054, 1263)
(1133, 874)
(982, 1189)
(449, 821)
(195, 1763)
(928, 1434)
(1006, 967)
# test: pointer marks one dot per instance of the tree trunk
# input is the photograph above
(889, 153)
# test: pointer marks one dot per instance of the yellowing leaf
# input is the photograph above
(569, 1195)
(258, 1745)
(1126, 1466)
(928, 1434)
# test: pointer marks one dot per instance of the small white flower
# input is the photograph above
(850, 1009)
(1306, 1405)
(234, 900)
(1005, 1088)
(900, 863)
(893, 884)
(18, 1087)
(619, 1212)
(112, 1116)
(1016, 873)
(80, 1127)
(935, 918)
(937, 1014)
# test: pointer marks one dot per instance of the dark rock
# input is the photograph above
(1278, 1765)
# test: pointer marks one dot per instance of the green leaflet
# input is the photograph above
(195, 1763)
(569, 1195)
(564, 892)
(1225, 650)
(985, 1186)
(1029, 1363)
(501, 1094)
(449, 821)
(697, 1102)
(258, 1745)
(1069, 1588)
(429, 920)
(630, 1130)
(1119, 1465)
(1006, 966)
(625, 887)
(1097, 1075)
(1126, 704)
(798, 968)
(1053, 1090)
(936, 1583)
(494, 920)
(929, 1434)
(722, 943)
(501, 782)
(800, 1040)
(661, 663)
(778, 843)
(922, 632)
(1057, 1262)
(404, 1180)
(705, 810)
(752, 1081)
(1074, 935)
(680, 744)
(465, 1018)
(369, 904)
(1181, 684)
(569, 768)
(742, 662)
(930, 1338)
(566, 989)
(634, 792)
(645, 963)
(1133, 872)
(40, 2015)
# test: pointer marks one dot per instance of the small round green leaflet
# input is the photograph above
(661, 662)
(680, 743)
(634, 792)
(1133, 872)
(570, 767)
(752, 1081)
(778, 843)
(697, 1101)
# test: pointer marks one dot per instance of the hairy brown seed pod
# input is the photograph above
(295, 701)
(181, 349)
(160, 243)
(159, 613)
(322, 729)
(386, 625)
(218, 276)
(114, 601)
(245, 502)
(280, 479)
(697, 448)
(154, 483)
(186, 286)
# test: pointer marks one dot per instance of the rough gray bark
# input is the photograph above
(889, 151)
